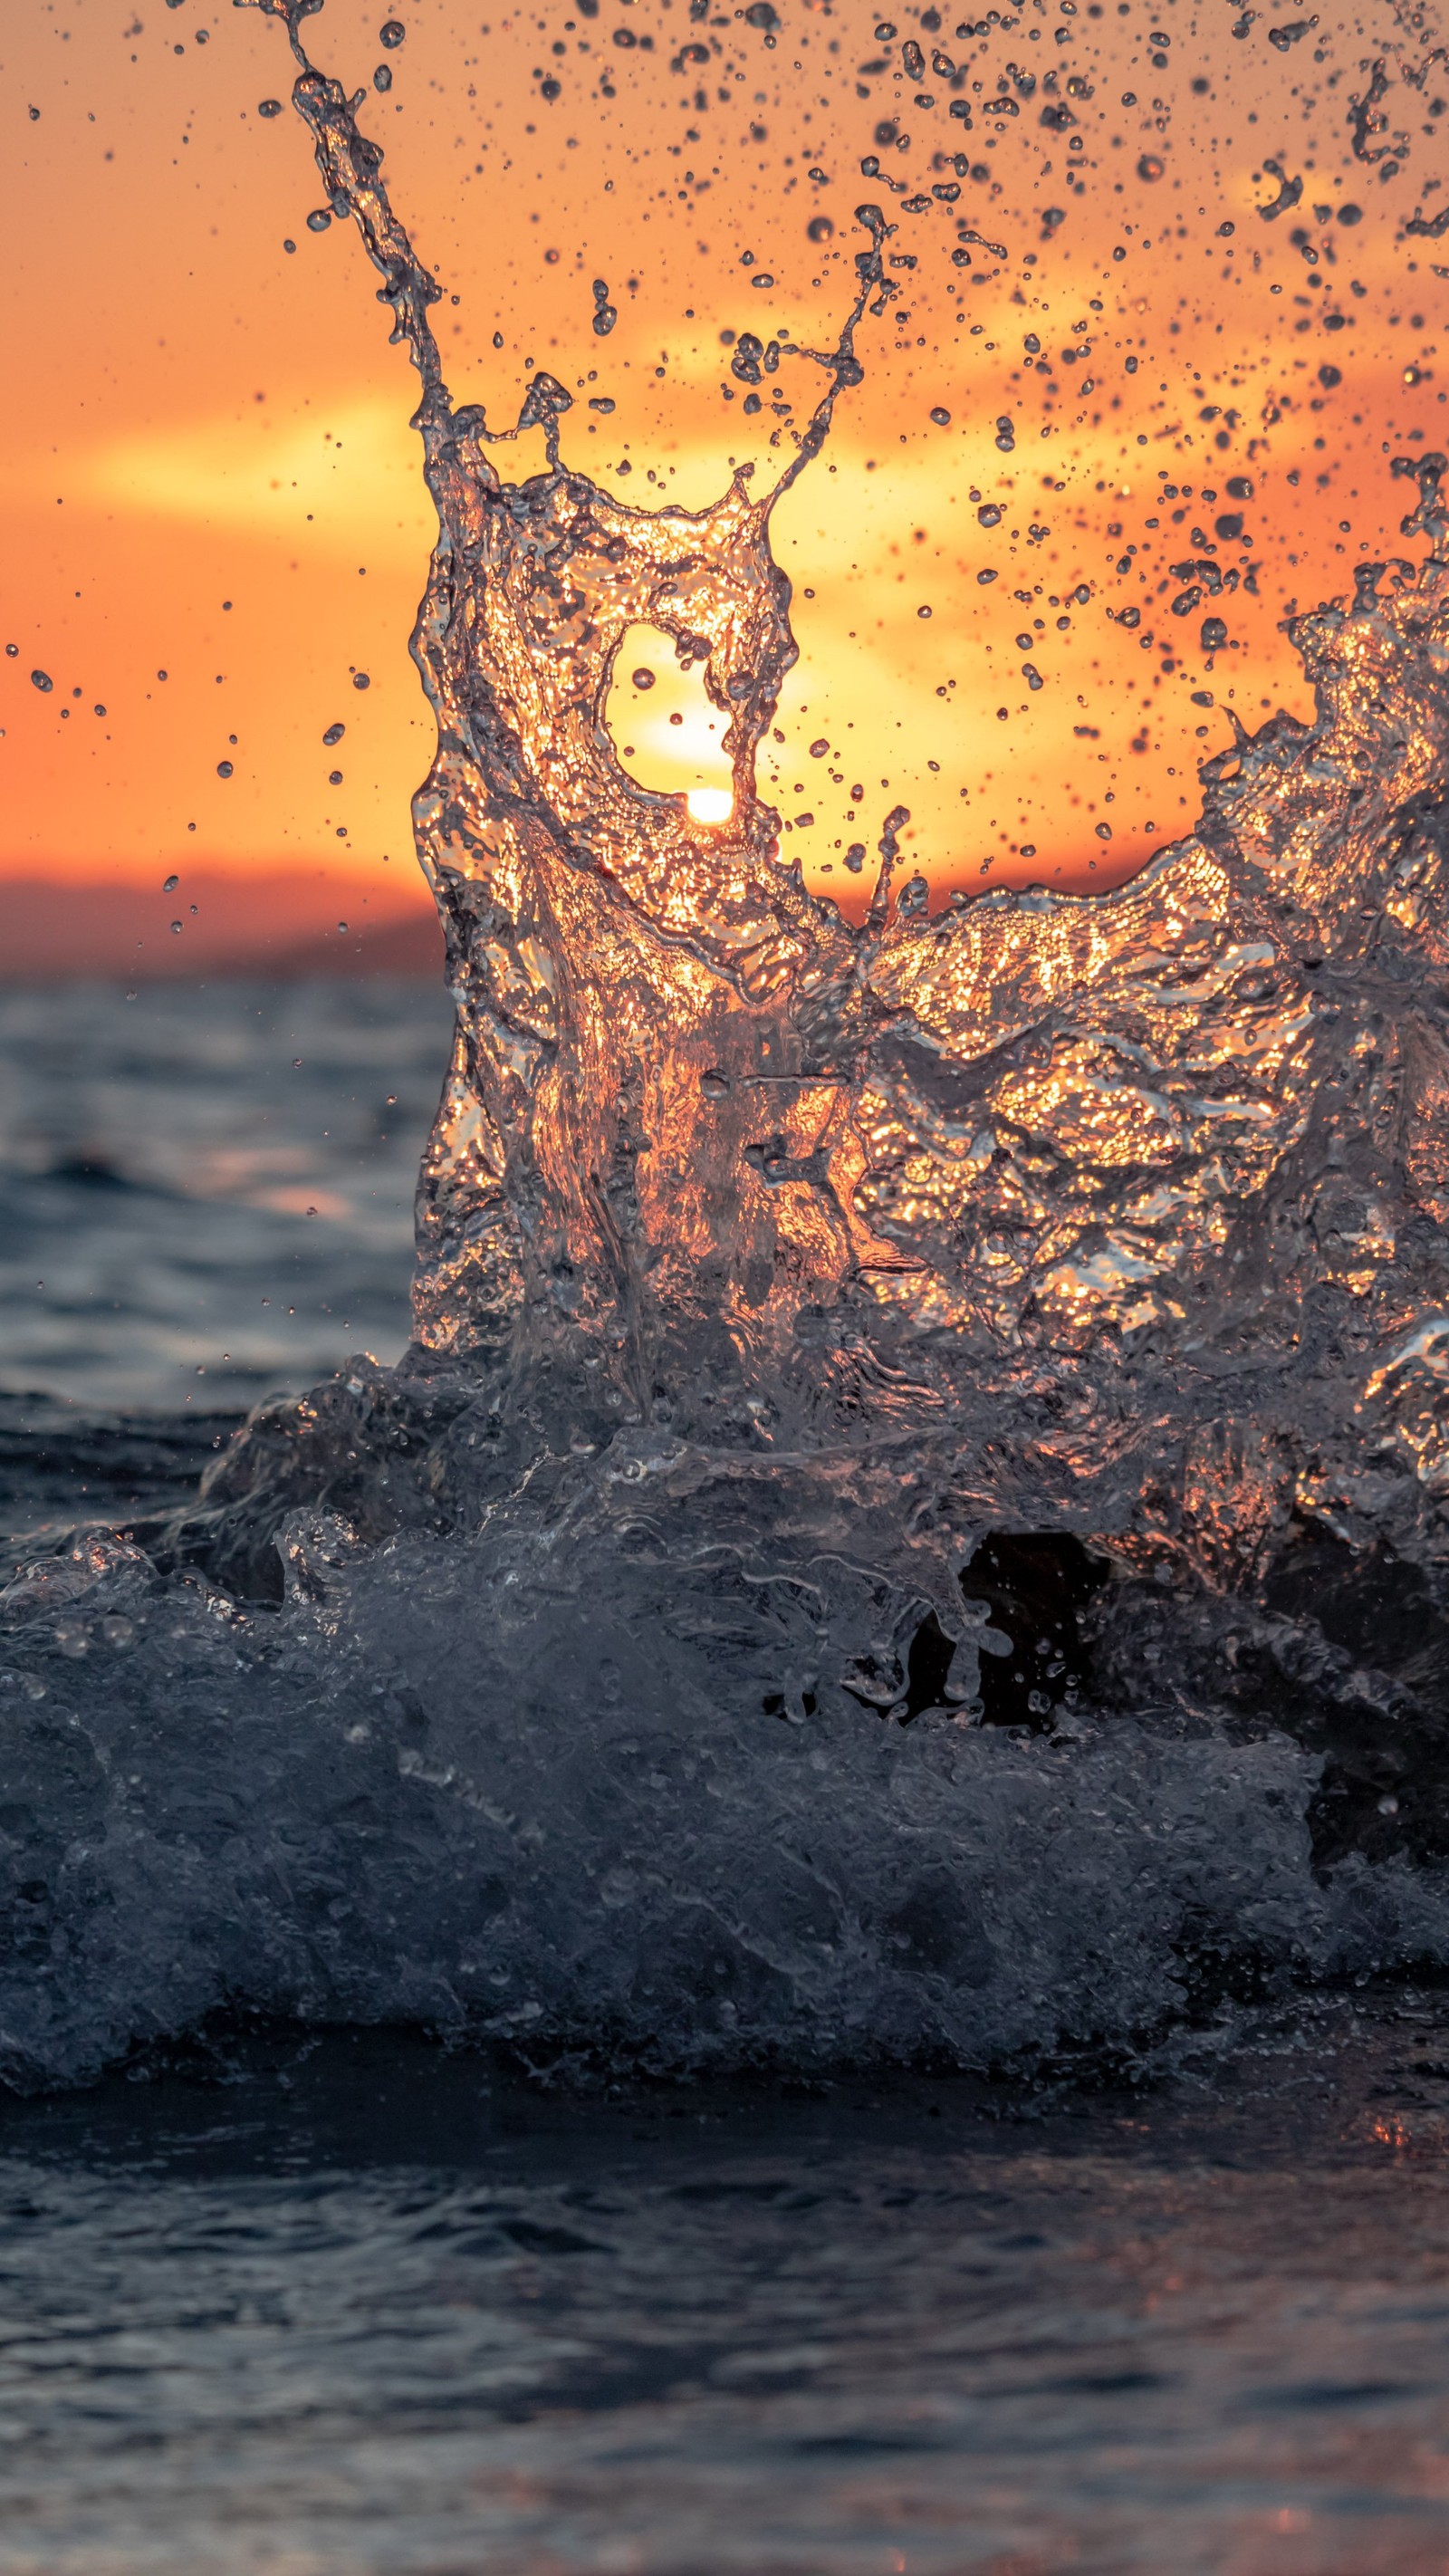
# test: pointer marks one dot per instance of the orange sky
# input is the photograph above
(208, 474)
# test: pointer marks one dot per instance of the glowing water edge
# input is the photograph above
(913, 1525)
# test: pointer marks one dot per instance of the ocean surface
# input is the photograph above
(351, 2306)
(286, 2302)
(206, 1191)
(206, 1198)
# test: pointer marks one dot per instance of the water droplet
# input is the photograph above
(391, 34)
(333, 734)
(360, 680)
(923, 612)
(334, 777)
(223, 769)
(319, 220)
(819, 748)
(1214, 634)
(176, 929)
(642, 679)
(382, 79)
(940, 416)
(269, 107)
(171, 885)
(1149, 167)
(42, 680)
(819, 228)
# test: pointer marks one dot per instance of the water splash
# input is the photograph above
(647, 996)
(714, 1160)
(1036, 1314)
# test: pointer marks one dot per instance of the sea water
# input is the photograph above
(206, 1191)
(908, 1536)
(350, 2307)
(355, 2303)
(911, 1523)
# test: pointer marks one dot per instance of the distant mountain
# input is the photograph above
(270, 923)
(408, 945)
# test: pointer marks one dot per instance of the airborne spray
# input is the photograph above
(914, 1519)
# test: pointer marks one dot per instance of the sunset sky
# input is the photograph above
(214, 525)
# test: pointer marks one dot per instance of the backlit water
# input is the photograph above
(901, 1571)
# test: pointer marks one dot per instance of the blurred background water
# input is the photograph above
(206, 1190)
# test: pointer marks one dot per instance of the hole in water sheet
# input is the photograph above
(928, 1669)
(666, 734)
(1035, 1586)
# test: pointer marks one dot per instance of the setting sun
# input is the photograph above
(710, 804)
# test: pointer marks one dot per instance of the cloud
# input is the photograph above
(353, 477)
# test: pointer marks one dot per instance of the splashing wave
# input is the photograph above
(914, 1522)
